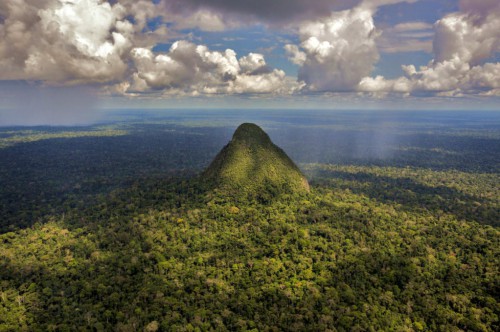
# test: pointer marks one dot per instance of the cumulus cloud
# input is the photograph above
(471, 38)
(59, 41)
(463, 42)
(336, 52)
(62, 42)
(194, 69)
(111, 43)
(73, 41)
(380, 84)
(296, 56)
(140, 10)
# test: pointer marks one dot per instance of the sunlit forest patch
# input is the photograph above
(12, 137)
(470, 196)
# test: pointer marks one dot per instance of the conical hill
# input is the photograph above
(252, 164)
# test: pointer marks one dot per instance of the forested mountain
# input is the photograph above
(252, 165)
(118, 228)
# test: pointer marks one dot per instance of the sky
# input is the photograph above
(64, 58)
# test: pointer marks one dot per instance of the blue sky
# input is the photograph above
(223, 53)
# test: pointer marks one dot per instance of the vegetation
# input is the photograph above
(253, 165)
(10, 138)
(120, 234)
(473, 197)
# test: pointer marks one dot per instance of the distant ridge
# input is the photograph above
(252, 164)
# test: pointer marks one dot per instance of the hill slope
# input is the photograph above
(253, 165)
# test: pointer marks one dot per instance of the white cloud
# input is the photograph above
(194, 69)
(470, 38)
(91, 41)
(73, 41)
(295, 55)
(336, 52)
(272, 82)
(377, 84)
(141, 11)
(253, 63)
(63, 41)
(463, 42)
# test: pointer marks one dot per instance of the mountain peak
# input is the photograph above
(252, 164)
(251, 133)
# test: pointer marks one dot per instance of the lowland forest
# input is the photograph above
(307, 221)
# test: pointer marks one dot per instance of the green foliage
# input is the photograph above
(165, 252)
(252, 165)
(117, 234)
(464, 195)
(10, 138)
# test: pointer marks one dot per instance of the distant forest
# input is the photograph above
(110, 227)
